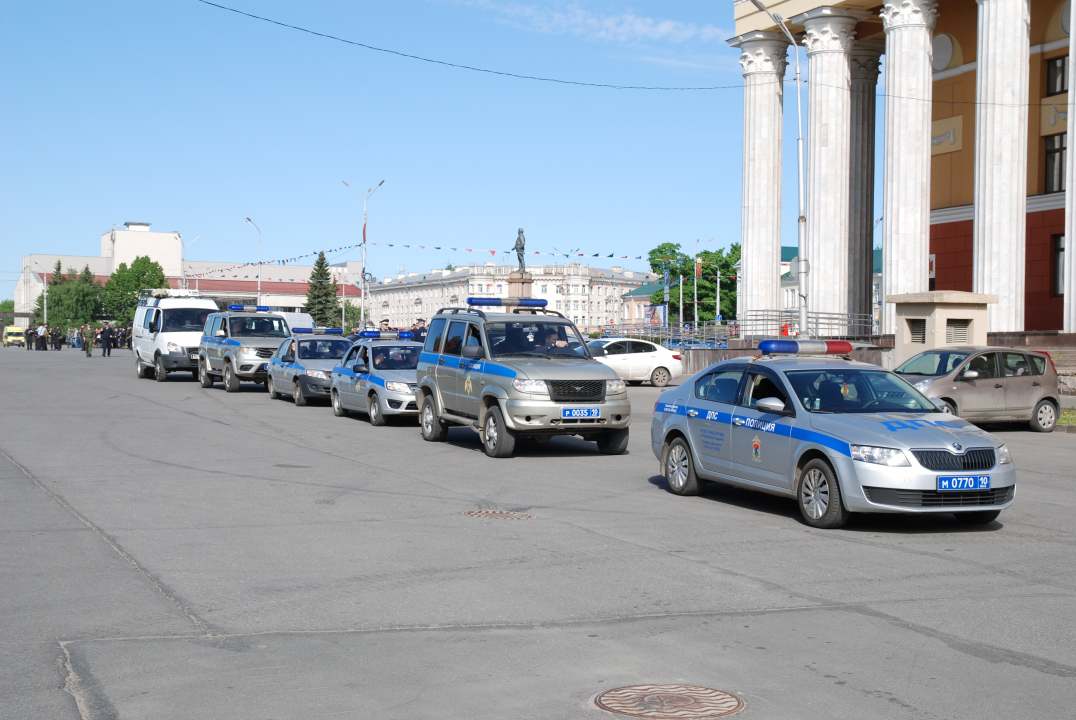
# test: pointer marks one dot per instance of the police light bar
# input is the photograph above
(805, 347)
(249, 308)
(509, 302)
(387, 334)
(318, 331)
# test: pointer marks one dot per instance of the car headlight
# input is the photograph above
(530, 386)
(1004, 458)
(398, 387)
(879, 455)
(317, 374)
(922, 385)
(174, 349)
(248, 352)
(613, 387)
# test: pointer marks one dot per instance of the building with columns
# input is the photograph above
(975, 183)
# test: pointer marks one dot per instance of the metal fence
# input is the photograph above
(754, 326)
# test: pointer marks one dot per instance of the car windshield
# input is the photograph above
(395, 357)
(935, 362)
(323, 349)
(852, 390)
(599, 343)
(184, 319)
(258, 327)
(540, 338)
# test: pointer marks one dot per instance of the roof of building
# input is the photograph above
(877, 265)
(788, 252)
(459, 274)
(644, 290)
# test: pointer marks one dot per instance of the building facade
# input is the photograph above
(975, 182)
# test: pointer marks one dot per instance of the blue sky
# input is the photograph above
(190, 117)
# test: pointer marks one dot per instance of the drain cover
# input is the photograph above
(662, 702)
(499, 515)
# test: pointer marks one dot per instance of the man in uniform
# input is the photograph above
(419, 329)
(384, 325)
(106, 341)
(87, 339)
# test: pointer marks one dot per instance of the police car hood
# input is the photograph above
(903, 430)
(326, 365)
(560, 367)
(405, 376)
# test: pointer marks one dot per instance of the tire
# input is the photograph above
(660, 377)
(433, 428)
(950, 409)
(297, 394)
(634, 383)
(819, 496)
(373, 410)
(271, 387)
(231, 382)
(679, 470)
(979, 517)
(338, 409)
(497, 440)
(613, 443)
(204, 378)
(1044, 418)
(159, 373)
(140, 370)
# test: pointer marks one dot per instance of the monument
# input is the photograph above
(520, 282)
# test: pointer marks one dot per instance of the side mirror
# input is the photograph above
(288, 357)
(473, 352)
(770, 405)
(360, 366)
(220, 333)
(940, 404)
(969, 375)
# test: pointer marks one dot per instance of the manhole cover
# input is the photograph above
(669, 701)
(498, 515)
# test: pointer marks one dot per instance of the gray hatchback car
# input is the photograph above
(988, 384)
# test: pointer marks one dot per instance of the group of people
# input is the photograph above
(419, 328)
(84, 337)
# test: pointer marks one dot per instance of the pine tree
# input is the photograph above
(87, 276)
(321, 300)
(58, 277)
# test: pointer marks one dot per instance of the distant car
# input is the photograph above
(685, 343)
(636, 361)
(14, 335)
(302, 366)
(989, 383)
(377, 376)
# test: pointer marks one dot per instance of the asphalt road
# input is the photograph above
(173, 552)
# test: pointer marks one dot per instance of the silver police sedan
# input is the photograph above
(838, 436)
(302, 365)
(377, 376)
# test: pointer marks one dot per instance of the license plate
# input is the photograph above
(964, 482)
(265, 368)
(581, 412)
(194, 357)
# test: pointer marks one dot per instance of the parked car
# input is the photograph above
(166, 331)
(989, 383)
(14, 335)
(636, 361)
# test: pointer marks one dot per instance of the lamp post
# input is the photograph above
(803, 267)
(248, 220)
(362, 298)
(183, 259)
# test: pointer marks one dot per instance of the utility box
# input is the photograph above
(930, 320)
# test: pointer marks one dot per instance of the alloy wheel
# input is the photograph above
(676, 467)
(491, 433)
(814, 494)
(427, 419)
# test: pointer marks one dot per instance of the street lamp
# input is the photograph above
(803, 266)
(362, 299)
(183, 258)
(248, 220)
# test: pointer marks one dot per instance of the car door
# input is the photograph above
(213, 344)
(469, 378)
(276, 365)
(363, 369)
(1022, 387)
(709, 417)
(618, 357)
(985, 395)
(760, 441)
(448, 365)
(344, 377)
(643, 357)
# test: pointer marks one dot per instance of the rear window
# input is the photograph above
(1039, 363)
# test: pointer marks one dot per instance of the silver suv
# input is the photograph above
(523, 374)
(236, 345)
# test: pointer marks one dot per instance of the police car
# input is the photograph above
(302, 365)
(377, 376)
(838, 436)
(236, 345)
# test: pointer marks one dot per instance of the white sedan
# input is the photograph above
(638, 360)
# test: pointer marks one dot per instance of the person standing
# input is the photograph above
(87, 339)
(40, 339)
(419, 330)
(106, 341)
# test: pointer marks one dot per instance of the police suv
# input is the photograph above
(525, 373)
(302, 365)
(377, 376)
(837, 435)
(236, 345)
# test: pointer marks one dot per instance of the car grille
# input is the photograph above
(978, 459)
(576, 390)
(933, 498)
(192, 351)
(265, 352)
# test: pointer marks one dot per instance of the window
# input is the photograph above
(545, 289)
(719, 386)
(1057, 76)
(1039, 364)
(454, 339)
(986, 365)
(558, 304)
(433, 338)
(956, 331)
(1059, 264)
(760, 387)
(575, 288)
(1014, 365)
(934, 363)
(617, 348)
(1055, 162)
(576, 306)
(917, 329)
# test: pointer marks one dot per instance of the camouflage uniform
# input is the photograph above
(87, 339)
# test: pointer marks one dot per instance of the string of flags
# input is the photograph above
(219, 272)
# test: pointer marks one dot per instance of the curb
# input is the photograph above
(1065, 428)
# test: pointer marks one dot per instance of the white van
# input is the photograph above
(166, 332)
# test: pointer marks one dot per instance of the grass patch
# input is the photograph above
(1068, 416)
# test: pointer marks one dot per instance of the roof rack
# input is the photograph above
(458, 310)
(535, 311)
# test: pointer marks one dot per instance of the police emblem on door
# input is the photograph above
(756, 449)
(467, 387)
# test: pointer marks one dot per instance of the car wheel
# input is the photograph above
(140, 371)
(613, 443)
(433, 428)
(231, 382)
(679, 469)
(271, 387)
(204, 378)
(297, 394)
(819, 496)
(660, 377)
(159, 373)
(498, 441)
(338, 409)
(979, 517)
(949, 408)
(1045, 417)
(373, 409)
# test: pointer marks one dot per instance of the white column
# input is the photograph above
(763, 63)
(1070, 195)
(1001, 160)
(829, 38)
(909, 28)
(864, 69)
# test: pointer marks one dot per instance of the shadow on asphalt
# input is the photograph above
(557, 447)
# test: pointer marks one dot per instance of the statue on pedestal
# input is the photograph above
(520, 243)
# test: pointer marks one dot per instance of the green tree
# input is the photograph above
(119, 297)
(714, 262)
(321, 300)
(37, 314)
(352, 317)
(58, 277)
(7, 306)
(87, 276)
(73, 304)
